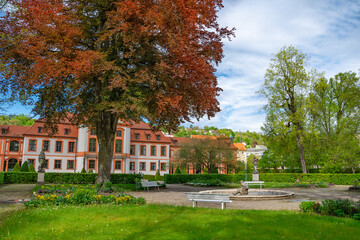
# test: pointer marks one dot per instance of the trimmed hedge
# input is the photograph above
(183, 178)
(337, 178)
(76, 178)
(124, 178)
(20, 177)
(2, 175)
(70, 178)
(152, 178)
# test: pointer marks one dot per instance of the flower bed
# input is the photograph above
(70, 194)
(338, 208)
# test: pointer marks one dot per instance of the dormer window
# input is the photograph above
(157, 137)
(137, 136)
(67, 131)
(3, 131)
(175, 142)
(147, 136)
(40, 129)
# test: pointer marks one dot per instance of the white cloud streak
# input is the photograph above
(328, 31)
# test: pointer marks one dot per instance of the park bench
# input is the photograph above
(149, 184)
(208, 197)
(261, 183)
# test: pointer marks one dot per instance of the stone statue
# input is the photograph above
(41, 162)
(244, 190)
(255, 163)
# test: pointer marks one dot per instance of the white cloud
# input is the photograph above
(326, 30)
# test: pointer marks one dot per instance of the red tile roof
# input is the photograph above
(240, 146)
(143, 129)
(33, 130)
(13, 131)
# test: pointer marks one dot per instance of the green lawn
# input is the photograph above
(168, 222)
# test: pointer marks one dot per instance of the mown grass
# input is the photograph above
(168, 222)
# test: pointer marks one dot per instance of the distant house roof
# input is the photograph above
(204, 137)
(181, 140)
(13, 131)
(240, 146)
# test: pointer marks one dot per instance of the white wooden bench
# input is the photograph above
(195, 197)
(261, 183)
(149, 184)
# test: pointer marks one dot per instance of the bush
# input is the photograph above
(24, 167)
(16, 167)
(157, 175)
(83, 170)
(90, 171)
(31, 168)
(177, 170)
(339, 179)
(183, 178)
(20, 177)
(2, 175)
(307, 207)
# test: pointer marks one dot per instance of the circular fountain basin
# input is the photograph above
(254, 194)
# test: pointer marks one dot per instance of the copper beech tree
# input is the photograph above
(105, 60)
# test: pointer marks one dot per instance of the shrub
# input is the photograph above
(31, 168)
(16, 167)
(339, 207)
(20, 177)
(307, 207)
(24, 167)
(177, 170)
(157, 175)
(183, 178)
(140, 201)
(2, 175)
(339, 179)
(90, 171)
(83, 170)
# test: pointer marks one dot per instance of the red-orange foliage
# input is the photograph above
(127, 59)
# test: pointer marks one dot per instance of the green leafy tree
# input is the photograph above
(18, 120)
(286, 86)
(334, 108)
(24, 167)
(207, 153)
(108, 60)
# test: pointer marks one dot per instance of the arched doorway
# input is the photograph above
(11, 164)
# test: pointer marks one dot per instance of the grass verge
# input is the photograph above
(168, 222)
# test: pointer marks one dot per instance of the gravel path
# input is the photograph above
(15, 191)
(174, 195)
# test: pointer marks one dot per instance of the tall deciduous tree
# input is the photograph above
(334, 103)
(286, 87)
(207, 154)
(105, 60)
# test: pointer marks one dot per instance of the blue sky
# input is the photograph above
(327, 30)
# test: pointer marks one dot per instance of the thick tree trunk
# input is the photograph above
(105, 130)
(301, 152)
